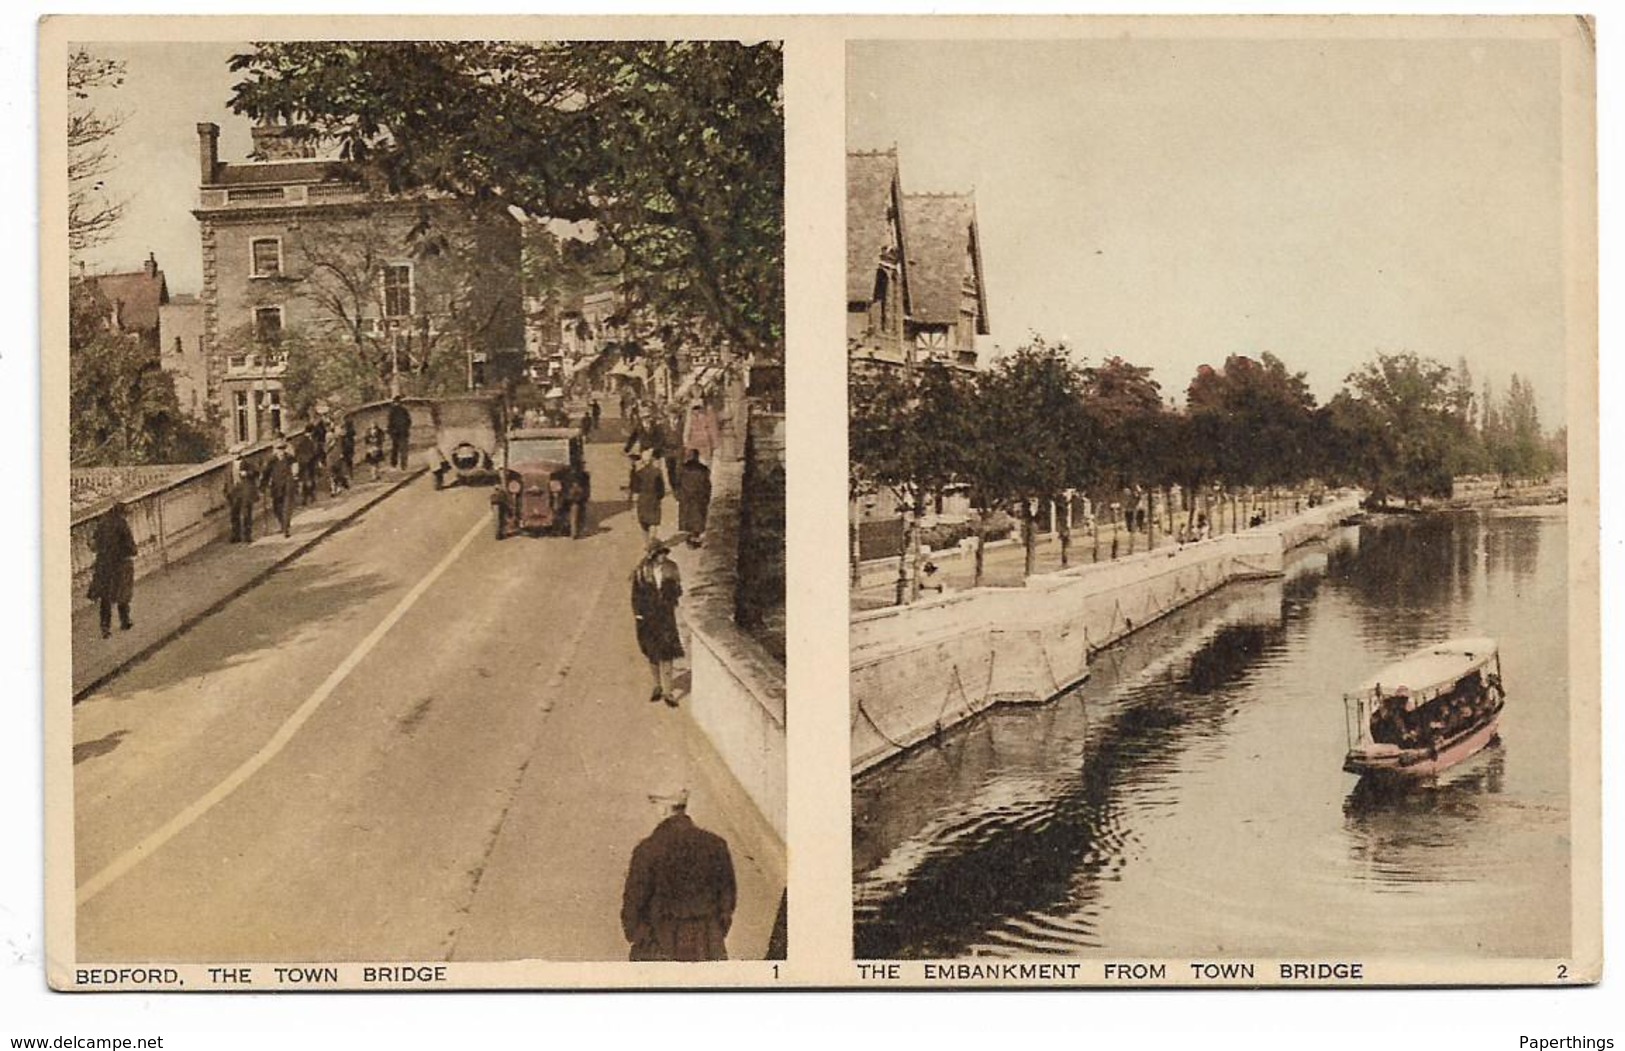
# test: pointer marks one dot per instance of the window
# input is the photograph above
(267, 324)
(398, 290)
(239, 414)
(273, 405)
(265, 256)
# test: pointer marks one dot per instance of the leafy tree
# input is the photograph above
(907, 434)
(1393, 422)
(122, 407)
(1259, 416)
(1033, 436)
(673, 151)
(465, 293)
(92, 214)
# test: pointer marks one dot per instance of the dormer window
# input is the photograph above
(265, 257)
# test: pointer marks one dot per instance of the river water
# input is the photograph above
(1188, 800)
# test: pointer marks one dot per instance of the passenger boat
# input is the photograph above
(1426, 712)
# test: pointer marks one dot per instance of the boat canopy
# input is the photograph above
(1430, 671)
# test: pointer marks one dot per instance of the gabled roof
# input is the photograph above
(134, 298)
(872, 188)
(941, 227)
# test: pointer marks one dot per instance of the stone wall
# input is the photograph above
(920, 669)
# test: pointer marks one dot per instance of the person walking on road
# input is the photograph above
(374, 441)
(242, 489)
(648, 490)
(400, 432)
(657, 586)
(305, 459)
(280, 480)
(680, 891)
(693, 497)
(112, 577)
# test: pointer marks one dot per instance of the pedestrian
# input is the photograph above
(338, 476)
(280, 480)
(648, 490)
(597, 412)
(373, 441)
(680, 891)
(670, 433)
(242, 489)
(347, 450)
(112, 576)
(656, 588)
(693, 497)
(701, 432)
(400, 432)
(305, 459)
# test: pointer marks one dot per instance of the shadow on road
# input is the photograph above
(293, 600)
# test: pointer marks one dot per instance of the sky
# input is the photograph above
(168, 90)
(1177, 201)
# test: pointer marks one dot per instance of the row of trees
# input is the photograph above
(1038, 424)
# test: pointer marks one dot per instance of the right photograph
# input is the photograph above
(1210, 562)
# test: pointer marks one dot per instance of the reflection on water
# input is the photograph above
(1189, 797)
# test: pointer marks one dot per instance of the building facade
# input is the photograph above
(914, 284)
(421, 289)
(181, 352)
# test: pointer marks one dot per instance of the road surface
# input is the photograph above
(412, 743)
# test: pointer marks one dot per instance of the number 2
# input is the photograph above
(1562, 970)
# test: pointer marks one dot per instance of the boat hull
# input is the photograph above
(1423, 762)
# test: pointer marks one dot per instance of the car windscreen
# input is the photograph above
(539, 450)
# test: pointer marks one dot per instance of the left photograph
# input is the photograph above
(424, 441)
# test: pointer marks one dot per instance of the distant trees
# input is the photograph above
(92, 212)
(1037, 425)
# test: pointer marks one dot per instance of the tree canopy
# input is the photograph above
(673, 151)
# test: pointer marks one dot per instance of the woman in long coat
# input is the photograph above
(112, 577)
(693, 497)
(656, 588)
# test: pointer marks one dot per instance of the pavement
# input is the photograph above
(413, 742)
(172, 600)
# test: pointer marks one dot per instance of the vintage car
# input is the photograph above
(467, 433)
(542, 483)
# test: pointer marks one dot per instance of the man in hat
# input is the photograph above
(400, 432)
(648, 490)
(657, 586)
(680, 892)
(693, 497)
(112, 577)
(242, 489)
(280, 480)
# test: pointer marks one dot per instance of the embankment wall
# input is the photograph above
(919, 669)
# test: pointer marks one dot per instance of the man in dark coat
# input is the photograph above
(280, 480)
(112, 577)
(306, 458)
(656, 588)
(648, 490)
(400, 432)
(242, 489)
(693, 497)
(680, 892)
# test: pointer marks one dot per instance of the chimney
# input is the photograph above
(208, 152)
(151, 266)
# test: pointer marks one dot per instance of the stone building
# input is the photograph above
(181, 351)
(133, 301)
(914, 285)
(423, 288)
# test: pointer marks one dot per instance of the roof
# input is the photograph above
(135, 297)
(872, 185)
(545, 432)
(1432, 667)
(276, 172)
(941, 230)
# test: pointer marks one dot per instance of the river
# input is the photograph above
(1188, 799)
